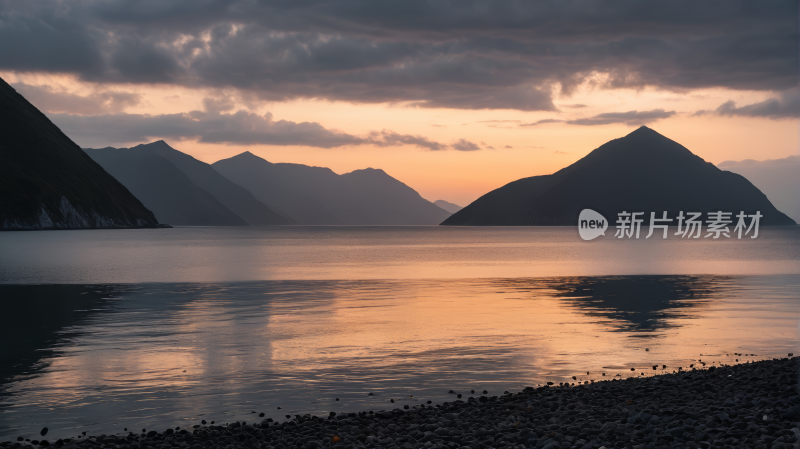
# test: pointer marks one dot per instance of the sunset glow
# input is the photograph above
(475, 93)
(456, 176)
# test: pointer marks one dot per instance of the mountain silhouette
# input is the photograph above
(317, 195)
(48, 182)
(163, 188)
(448, 206)
(777, 178)
(641, 172)
(182, 190)
(258, 176)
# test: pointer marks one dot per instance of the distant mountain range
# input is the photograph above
(779, 179)
(48, 182)
(248, 190)
(181, 190)
(641, 172)
(448, 206)
(317, 195)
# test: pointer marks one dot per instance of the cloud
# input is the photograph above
(48, 98)
(786, 106)
(492, 121)
(238, 128)
(390, 138)
(542, 122)
(465, 145)
(218, 104)
(630, 118)
(484, 54)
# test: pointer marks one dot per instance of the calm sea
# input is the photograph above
(104, 330)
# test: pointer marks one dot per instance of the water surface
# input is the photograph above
(150, 329)
(401, 252)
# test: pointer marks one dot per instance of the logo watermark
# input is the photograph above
(592, 224)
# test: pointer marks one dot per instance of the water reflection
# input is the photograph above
(150, 355)
(641, 305)
(39, 318)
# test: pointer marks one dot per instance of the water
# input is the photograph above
(155, 328)
(335, 253)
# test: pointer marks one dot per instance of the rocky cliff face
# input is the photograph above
(66, 216)
(48, 182)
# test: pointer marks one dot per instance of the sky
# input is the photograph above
(454, 98)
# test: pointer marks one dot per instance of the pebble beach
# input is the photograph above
(752, 405)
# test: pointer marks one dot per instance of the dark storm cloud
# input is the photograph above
(238, 128)
(470, 55)
(787, 106)
(630, 118)
(220, 104)
(46, 37)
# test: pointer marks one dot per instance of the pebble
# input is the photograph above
(754, 405)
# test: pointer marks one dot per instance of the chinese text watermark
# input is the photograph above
(688, 224)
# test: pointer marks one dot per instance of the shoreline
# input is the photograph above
(155, 226)
(754, 405)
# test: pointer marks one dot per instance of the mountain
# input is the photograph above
(777, 178)
(232, 196)
(317, 195)
(271, 186)
(448, 206)
(182, 190)
(641, 172)
(48, 182)
(164, 189)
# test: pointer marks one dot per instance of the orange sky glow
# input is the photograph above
(509, 151)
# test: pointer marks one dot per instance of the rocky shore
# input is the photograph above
(753, 405)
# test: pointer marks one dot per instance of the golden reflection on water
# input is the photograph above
(162, 354)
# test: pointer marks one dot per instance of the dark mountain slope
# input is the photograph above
(448, 206)
(233, 196)
(274, 188)
(506, 206)
(371, 196)
(317, 195)
(641, 172)
(170, 194)
(48, 182)
(779, 179)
